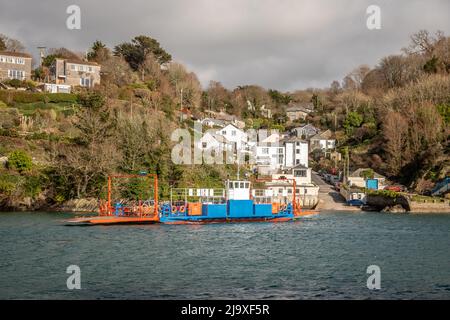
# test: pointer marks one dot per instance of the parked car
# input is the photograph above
(396, 188)
(337, 185)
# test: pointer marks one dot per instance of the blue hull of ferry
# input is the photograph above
(231, 211)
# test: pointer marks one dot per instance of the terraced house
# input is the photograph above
(15, 65)
(75, 72)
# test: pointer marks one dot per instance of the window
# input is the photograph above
(299, 173)
(297, 143)
(230, 185)
(280, 190)
(242, 185)
(280, 159)
(297, 191)
(297, 151)
(247, 185)
(90, 69)
(224, 132)
(80, 68)
(233, 133)
(289, 190)
(204, 144)
(16, 74)
(265, 150)
(20, 61)
(236, 185)
(85, 82)
(297, 161)
(72, 67)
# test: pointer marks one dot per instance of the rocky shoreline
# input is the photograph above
(40, 205)
(404, 204)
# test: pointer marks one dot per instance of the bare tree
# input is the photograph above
(11, 44)
(423, 42)
(395, 131)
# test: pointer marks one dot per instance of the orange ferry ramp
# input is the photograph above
(111, 220)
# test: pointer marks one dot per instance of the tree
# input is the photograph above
(181, 79)
(431, 66)
(61, 53)
(2, 44)
(279, 98)
(85, 168)
(98, 52)
(354, 79)
(348, 83)
(352, 120)
(85, 164)
(398, 70)
(10, 44)
(117, 73)
(423, 42)
(335, 87)
(94, 120)
(216, 97)
(137, 51)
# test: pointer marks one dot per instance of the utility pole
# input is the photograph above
(131, 104)
(41, 54)
(181, 99)
(181, 104)
(237, 157)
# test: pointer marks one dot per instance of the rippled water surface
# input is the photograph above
(324, 257)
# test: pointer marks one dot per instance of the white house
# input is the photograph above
(306, 192)
(234, 135)
(305, 132)
(323, 141)
(359, 177)
(269, 154)
(296, 152)
(299, 111)
(214, 141)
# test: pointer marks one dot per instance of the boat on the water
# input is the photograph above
(237, 202)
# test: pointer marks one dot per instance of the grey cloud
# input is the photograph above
(282, 44)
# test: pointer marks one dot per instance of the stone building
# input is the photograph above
(75, 72)
(15, 65)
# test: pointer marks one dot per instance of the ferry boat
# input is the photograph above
(237, 202)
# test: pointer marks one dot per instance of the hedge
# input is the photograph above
(9, 96)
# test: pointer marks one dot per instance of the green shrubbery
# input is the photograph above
(383, 193)
(19, 160)
(8, 183)
(10, 97)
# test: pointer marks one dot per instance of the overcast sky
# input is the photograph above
(280, 44)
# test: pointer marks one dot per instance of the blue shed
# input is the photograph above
(372, 184)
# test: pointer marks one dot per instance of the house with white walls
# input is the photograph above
(269, 154)
(213, 141)
(237, 137)
(306, 192)
(359, 178)
(296, 152)
(305, 132)
(323, 141)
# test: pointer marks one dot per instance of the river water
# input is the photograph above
(324, 257)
